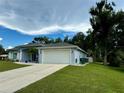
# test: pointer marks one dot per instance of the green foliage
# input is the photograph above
(108, 28)
(58, 40)
(116, 58)
(41, 40)
(2, 50)
(46, 40)
(102, 22)
(66, 39)
(83, 60)
(78, 40)
(8, 60)
(9, 65)
(32, 50)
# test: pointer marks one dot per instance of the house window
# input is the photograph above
(40, 51)
(76, 60)
(14, 55)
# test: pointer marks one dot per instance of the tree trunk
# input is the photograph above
(105, 57)
(100, 54)
(94, 58)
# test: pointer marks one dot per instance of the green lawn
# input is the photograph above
(4, 66)
(93, 78)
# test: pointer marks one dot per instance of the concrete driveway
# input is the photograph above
(13, 80)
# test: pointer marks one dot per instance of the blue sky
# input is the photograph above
(22, 20)
(12, 38)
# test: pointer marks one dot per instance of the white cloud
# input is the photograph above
(54, 28)
(9, 47)
(25, 43)
(45, 16)
(50, 29)
(1, 38)
(34, 17)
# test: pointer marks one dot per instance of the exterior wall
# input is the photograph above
(18, 55)
(21, 55)
(24, 56)
(51, 55)
(11, 55)
(40, 56)
(55, 56)
(76, 55)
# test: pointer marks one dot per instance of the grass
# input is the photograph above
(93, 78)
(4, 66)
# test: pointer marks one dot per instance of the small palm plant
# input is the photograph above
(31, 51)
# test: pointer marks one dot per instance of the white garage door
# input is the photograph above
(56, 56)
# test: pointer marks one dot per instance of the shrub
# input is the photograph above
(83, 60)
(116, 58)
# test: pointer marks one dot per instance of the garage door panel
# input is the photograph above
(56, 56)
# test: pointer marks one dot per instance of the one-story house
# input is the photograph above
(59, 53)
(3, 56)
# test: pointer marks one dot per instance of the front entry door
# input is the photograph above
(35, 58)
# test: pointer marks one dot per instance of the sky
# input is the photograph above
(22, 20)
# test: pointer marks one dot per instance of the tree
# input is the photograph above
(66, 39)
(32, 51)
(46, 40)
(78, 40)
(41, 40)
(88, 44)
(116, 57)
(58, 40)
(120, 29)
(51, 41)
(103, 23)
(2, 50)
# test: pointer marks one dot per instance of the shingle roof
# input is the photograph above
(58, 45)
(41, 45)
(54, 45)
(44, 45)
(30, 45)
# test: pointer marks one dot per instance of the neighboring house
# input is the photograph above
(60, 53)
(3, 56)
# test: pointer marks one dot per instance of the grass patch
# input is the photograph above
(93, 78)
(4, 66)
